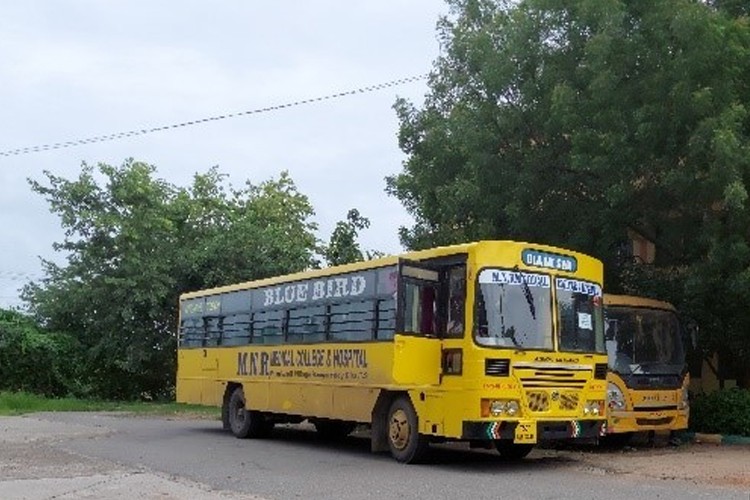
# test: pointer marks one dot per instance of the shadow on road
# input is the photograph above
(452, 456)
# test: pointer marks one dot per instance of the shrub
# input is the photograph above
(724, 412)
(34, 360)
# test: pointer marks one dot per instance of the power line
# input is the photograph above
(18, 275)
(132, 133)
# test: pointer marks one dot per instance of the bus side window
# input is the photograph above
(385, 325)
(306, 324)
(211, 331)
(456, 302)
(191, 334)
(352, 321)
(420, 307)
(269, 326)
(236, 330)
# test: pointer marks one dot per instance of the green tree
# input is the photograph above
(134, 242)
(570, 122)
(343, 247)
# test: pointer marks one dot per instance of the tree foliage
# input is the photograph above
(571, 122)
(343, 247)
(134, 242)
(35, 360)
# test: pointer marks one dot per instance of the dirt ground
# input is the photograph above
(701, 463)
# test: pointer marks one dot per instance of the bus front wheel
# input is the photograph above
(245, 423)
(512, 451)
(406, 443)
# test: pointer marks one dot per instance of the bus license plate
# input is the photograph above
(525, 432)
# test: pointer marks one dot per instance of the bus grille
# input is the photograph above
(496, 367)
(654, 421)
(558, 378)
(538, 401)
(569, 400)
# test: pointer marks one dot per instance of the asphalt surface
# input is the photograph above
(105, 456)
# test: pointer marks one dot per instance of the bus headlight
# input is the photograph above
(594, 407)
(496, 408)
(615, 398)
(685, 403)
(499, 407)
(511, 408)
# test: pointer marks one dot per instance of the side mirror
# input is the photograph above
(610, 329)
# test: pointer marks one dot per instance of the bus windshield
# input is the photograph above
(581, 315)
(514, 309)
(644, 341)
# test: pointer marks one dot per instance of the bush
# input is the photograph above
(34, 360)
(724, 412)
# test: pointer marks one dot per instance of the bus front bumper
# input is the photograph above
(638, 421)
(546, 430)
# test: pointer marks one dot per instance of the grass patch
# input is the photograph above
(19, 403)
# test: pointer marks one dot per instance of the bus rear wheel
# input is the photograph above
(245, 423)
(512, 451)
(407, 445)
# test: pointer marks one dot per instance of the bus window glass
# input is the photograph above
(581, 322)
(268, 325)
(236, 329)
(307, 324)
(514, 309)
(191, 333)
(644, 341)
(211, 331)
(352, 321)
(419, 307)
(386, 327)
(456, 301)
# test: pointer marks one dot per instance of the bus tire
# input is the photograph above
(245, 423)
(407, 445)
(512, 451)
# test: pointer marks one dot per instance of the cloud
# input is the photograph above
(82, 68)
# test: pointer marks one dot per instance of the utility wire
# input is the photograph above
(18, 275)
(132, 133)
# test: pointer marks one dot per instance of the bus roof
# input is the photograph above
(390, 260)
(634, 301)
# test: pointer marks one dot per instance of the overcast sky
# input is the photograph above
(76, 69)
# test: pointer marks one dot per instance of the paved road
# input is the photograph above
(81, 456)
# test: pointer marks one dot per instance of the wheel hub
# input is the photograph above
(399, 430)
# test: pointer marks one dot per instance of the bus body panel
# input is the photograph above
(416, 360)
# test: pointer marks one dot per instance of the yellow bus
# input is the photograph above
(493, 342)
(648, 378)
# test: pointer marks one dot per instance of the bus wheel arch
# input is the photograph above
(242, 422)
(231, 386)
(405, 442)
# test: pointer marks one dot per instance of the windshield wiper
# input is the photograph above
(527, 293)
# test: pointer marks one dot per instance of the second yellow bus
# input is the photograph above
(648, 378)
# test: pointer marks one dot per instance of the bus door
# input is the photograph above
(417, 357)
